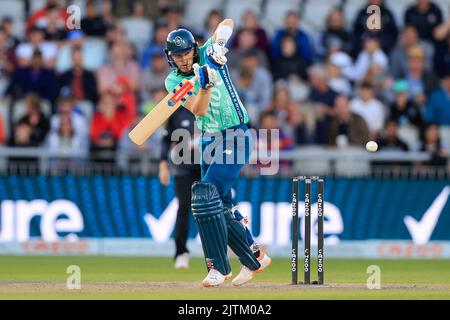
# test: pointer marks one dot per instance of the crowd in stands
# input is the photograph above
(83, 89)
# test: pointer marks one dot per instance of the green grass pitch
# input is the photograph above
(155, 278)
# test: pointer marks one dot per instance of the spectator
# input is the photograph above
(346, 128)
(138, 29)
(3, 132)
(65, 137)
(282, 142)
(323, 97)
(154, 77)
(387, 34)
(432, 144)
(81, 82)
(53, 26)
(369, 108)
(370, 55)
(155, 96)
(93, 24)
(403, 110)
(7, 59)
(157, 45)
(94, 52)
(8, 27)
(120, 65)
(212, 21)
(41, 16)
(425, 16)
(442, 55)
(21, 136)
(334, 34)
(24, 51)
(257, 89)
(247, 41)
(292, 27)
(35, 79)
(421, 83)
(108, 13)
(251, 23)
(321, 92)
(172, 16)
(399, 56)
(389, 140)
(288, 113)
(438, 107)
(114, 33)
(337, 82)
(78, 123)
(116, 111)
(36, 119)
(289, 63)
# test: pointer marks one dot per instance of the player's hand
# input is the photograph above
(215, 56)
(206, 76)
(164, 173)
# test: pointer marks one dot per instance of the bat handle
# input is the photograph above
(194, 79)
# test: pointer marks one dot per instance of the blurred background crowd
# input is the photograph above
(312, 69)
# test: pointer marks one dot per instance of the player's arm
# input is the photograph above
(215, 54)
(198, 105)
(223, 32)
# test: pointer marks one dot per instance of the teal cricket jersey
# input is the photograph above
(225, 108)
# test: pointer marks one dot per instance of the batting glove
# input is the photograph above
(215, 56)
(206, 76)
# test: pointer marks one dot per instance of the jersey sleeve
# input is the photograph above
(170, 83)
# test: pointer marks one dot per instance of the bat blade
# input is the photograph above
(161, 112)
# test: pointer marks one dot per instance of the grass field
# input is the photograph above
(155, 278)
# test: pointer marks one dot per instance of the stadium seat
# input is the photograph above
(19, 109)
(351, 9)
(351, 167)
(15, 10)
(275, 11)
(12, 8)
(410, 135)
(139, 32)
(91, 62)
(444, 132)
(444, 5)
(398, 9)
(196, 12)
(315, 14)
(4, 116)
(312, 166)
(235, 9)
(36, 5)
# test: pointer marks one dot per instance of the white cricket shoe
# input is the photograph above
(244, 276)
(182, 261)
(213, 279)
(264, 261)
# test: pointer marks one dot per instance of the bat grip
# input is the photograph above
(194, 79)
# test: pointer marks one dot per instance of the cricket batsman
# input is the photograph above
(226, 145)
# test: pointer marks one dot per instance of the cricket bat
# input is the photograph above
(162, 111)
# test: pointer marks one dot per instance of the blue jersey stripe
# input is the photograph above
(233, 95)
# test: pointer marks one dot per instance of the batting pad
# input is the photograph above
(207, 209)
(237, 240)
